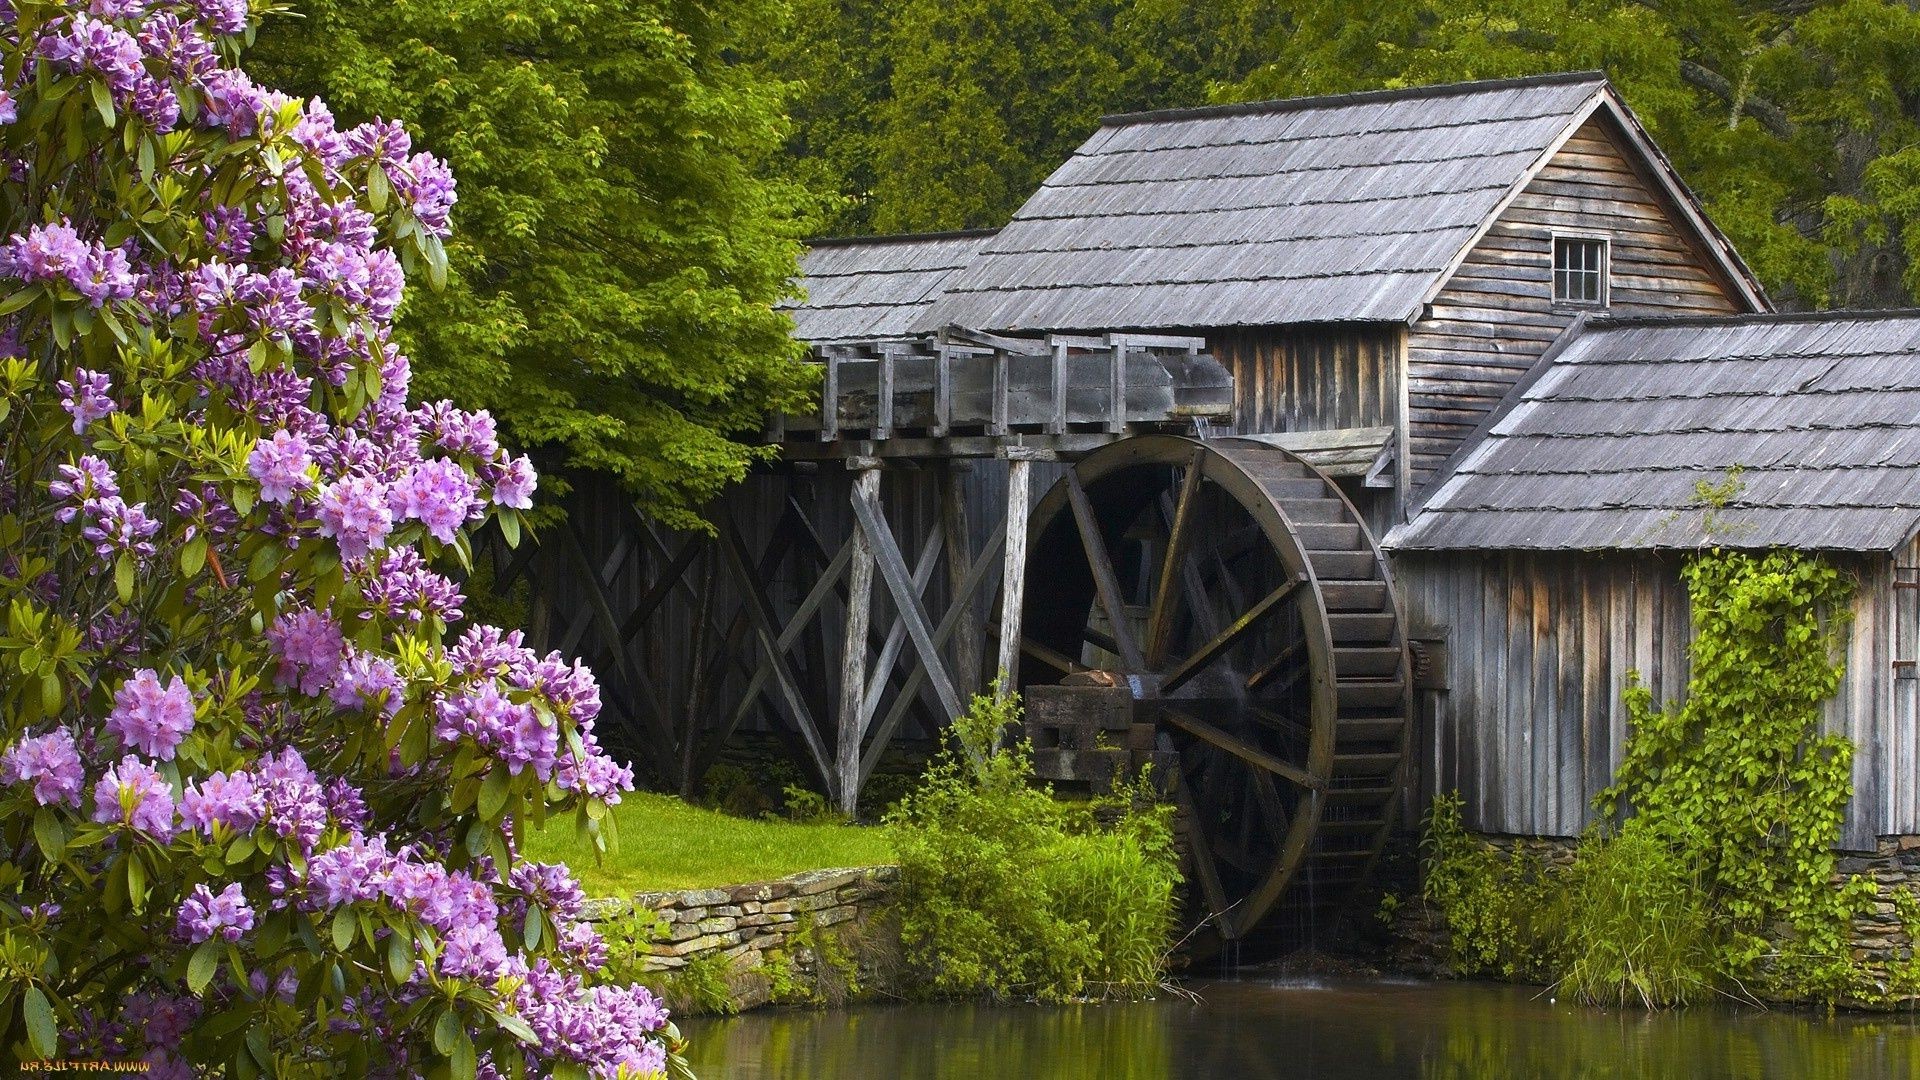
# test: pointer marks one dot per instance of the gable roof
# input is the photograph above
(1819, 415)
(865, 288)
(1353, 208)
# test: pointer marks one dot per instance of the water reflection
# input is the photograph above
(1331, 1030)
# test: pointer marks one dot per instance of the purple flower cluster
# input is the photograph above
(222, 801)
(55, 254)
(51, 762)
(85, 398)
(149, 717)
(400, 586)
(280, 464)
(204, 915)
(310, 648)
(134, 794)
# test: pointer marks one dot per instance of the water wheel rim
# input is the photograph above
(1231, 469)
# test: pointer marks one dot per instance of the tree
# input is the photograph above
(611, 286)
(256, 813)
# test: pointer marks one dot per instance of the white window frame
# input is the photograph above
(1606, 268)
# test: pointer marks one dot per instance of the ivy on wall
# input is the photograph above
(1712, 868)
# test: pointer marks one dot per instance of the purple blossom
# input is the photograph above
(402, 587)
(489, 650)
(222, 800)
(84, 42)
(296, 804)
(367, 679)
(85, 398)
(80, 484)
(149, 717)
(205, 512)
(440, 494)
(427, 185)
(280, 464)
(204, 915)
(228, 232)
(473, 952)
(515, 487)
(222, 16)
(55, 253)
(9, 112)
(53, 764)
(134, 793)
(310, 648)
(512, 730)
(114, 527)
(355, 513)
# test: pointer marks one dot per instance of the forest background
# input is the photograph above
(636, 176)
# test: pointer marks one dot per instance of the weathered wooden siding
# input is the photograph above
(1496, 315)
(1311, 377)
(1540, 648)
(1320, 377)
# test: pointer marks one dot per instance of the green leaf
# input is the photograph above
(400, 956)
(136, 880)
(378, 188)
(344, 927)
(50, 834)
(50, 693)
(463, 1058)
(446, 1032)
(41, 1029)
(514, 1026)
(200, 969)
(510, 527)
(123, 576)
(493, 793)
(193, 556)
(19, 298)
(102, 100)
(534, 923)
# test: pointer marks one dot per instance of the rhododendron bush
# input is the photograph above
(260, 794)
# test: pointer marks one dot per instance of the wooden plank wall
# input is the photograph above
(1540, 646)
(1496, 315)
(1318, 377)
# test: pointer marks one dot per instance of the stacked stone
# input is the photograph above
(1880, 938)
(745, 922)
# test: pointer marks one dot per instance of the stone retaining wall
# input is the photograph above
(748, 925)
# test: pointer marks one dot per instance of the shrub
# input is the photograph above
(1006, 891)
(256, 814)
(1495, 906)
(1634, 926)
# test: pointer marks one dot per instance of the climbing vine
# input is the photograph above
(1713, 864)
(1740, 779)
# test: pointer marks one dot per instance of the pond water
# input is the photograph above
(1321, 1029)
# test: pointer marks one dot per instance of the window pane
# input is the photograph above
(1577, 268)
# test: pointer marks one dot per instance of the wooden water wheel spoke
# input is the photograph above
(1271, 656)
(1167, 595)
(1106, 582)
(1206, 732)
(1225, 639)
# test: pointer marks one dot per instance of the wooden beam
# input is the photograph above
(897, 635)
(942, 392)
(1106, 584)
(853, 658)
(1117, 386)
(1013, 580)
(1057, 425)
(802, 615)
(1166, 593)
(1254, 756)
(760, 613)
(830, 399)
(1224, 640)
(1218, 907)
(949, 625)
(906, 601)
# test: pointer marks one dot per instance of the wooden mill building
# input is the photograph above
(1321, 452)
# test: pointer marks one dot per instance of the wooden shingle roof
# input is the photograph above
(1338, 209)
(1815, 417)
(867, 288)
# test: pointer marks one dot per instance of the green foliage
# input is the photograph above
(1795, 122)
(815, 966)
(609, 292)
(809, 807)
(1723, 877)
(701, 987)
(1739, 776)
(1633, 926)
(1006, 891)
(1494, 905)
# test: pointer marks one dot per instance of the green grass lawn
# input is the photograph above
(667, 844)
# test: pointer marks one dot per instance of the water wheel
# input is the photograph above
(1236, 593)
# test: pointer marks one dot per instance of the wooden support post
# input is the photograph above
(953, 523)
(1001, 418)
(942, 392)
(1058, 424)
(906, 600)
(1013, 581)
(853, 661)
(830, 399)
(1117, 386)
(883, 399)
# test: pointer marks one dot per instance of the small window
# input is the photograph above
(1579, 271)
